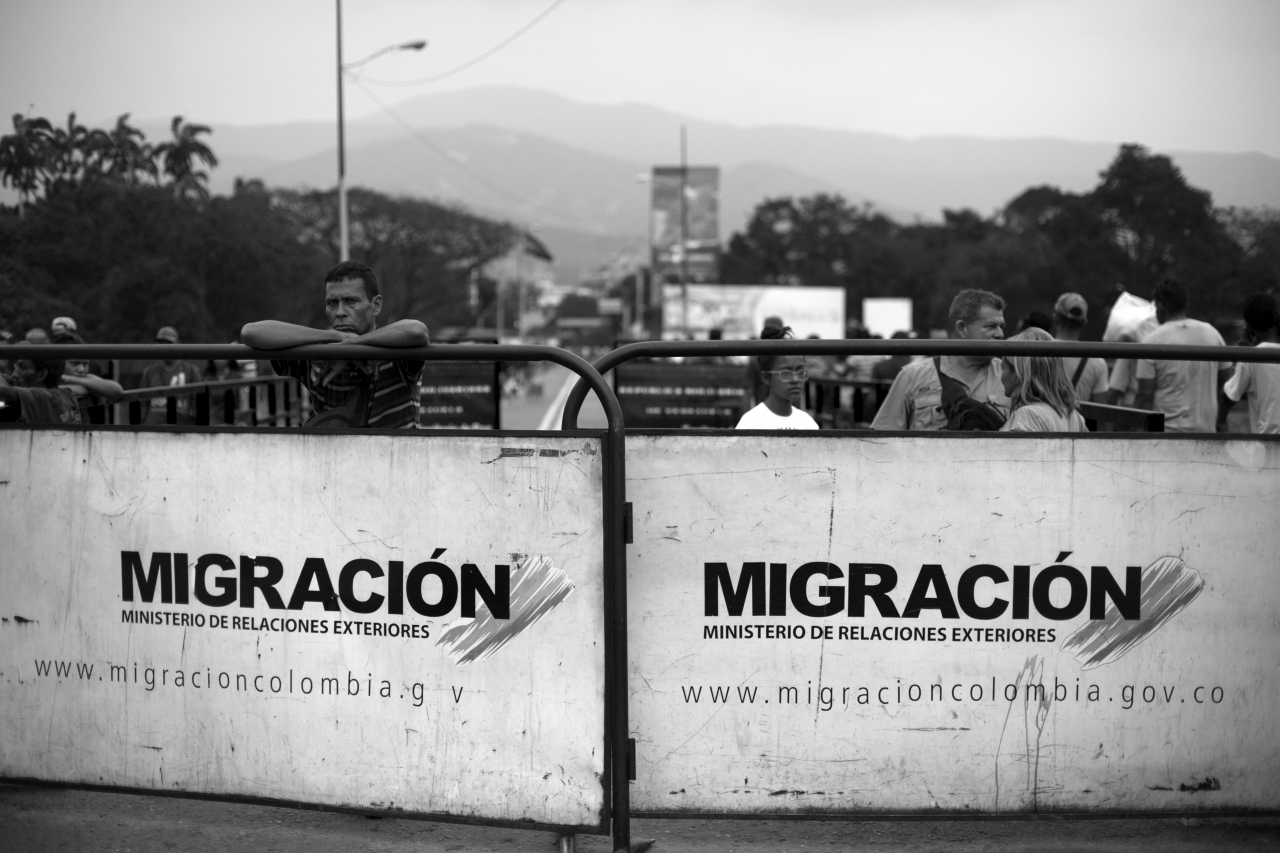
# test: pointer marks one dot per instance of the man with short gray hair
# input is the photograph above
(915, 401)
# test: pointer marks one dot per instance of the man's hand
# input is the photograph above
(401, 333)
(1146, 396)
(108, 390)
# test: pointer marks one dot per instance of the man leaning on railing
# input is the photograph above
(379, 394)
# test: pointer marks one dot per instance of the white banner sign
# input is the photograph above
(739, 310)
(991, 624)
(387, 622)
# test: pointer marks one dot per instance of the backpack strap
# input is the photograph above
(950, 386)
(1075, 380)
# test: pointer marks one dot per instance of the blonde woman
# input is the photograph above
(1040, 390)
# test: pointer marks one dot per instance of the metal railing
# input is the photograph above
(824, 397)
(266, 400)
(668, 349)
(617, 766)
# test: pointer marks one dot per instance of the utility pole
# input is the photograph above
(344, 239)
(684, 234)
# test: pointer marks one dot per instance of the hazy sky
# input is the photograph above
(1172, 74)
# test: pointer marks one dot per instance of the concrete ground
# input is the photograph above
(50, 819)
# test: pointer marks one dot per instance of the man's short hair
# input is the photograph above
(1261, 312)
(1171, 295)
(968, 303)
(53, 368)
(355, 269)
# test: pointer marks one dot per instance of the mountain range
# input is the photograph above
(574, 172)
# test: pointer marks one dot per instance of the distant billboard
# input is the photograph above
(697, 220)
(739, 310)
(885, 316)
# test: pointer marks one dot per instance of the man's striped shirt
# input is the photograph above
(395, 398)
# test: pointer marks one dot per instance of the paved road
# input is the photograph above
(46, 819)
(543, 411)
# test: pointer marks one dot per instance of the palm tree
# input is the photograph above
(68, 154)
(122, 152)
(177, 158)
(24, 156)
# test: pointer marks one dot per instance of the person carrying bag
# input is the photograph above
(965, 414)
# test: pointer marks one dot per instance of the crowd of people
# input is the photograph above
(36, 389)
(1043, 393)
(1012, 394)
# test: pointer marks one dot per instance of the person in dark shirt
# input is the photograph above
(352, 305)
(89, 390)
(31, 393)
(167, 374)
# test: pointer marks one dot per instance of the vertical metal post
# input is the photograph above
(567, 844)
(499, 320)
(497, 395)
(344, 240)
(616, 589)
(229, 407)
(115, 412)
(171, 410)
(684, 235)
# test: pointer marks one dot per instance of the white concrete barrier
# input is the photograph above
(953, 623)
(406, 623)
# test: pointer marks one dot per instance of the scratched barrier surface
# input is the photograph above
(385, 622)
(922, 623)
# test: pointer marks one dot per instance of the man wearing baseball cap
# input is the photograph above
(1261, 382)
(169, 373)
(1089, 375)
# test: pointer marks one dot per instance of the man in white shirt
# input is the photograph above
(1186, 391)
(1070, 313)
(914, 402)
(1261, 382)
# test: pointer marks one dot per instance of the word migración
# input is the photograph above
(217, 580)
(771, 592)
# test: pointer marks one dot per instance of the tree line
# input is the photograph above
(124, 237)
(1141, 222)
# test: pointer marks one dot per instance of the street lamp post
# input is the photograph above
(344, 234)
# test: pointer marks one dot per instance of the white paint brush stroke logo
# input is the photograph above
(1168, 586)
(539, 589)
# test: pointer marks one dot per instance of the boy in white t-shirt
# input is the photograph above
(1261, 382)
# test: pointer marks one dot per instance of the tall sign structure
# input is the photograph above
(684, 225)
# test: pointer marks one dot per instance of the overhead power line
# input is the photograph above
(464, 66)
